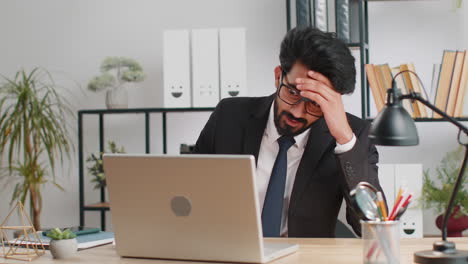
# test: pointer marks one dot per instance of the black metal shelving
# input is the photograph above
(362, 45)
(102, 206)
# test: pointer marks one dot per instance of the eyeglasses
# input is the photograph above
(289, 94)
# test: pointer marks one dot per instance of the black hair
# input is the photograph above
(322, 52)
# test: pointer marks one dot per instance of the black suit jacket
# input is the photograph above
(323, 178)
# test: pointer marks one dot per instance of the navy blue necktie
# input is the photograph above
(273, 206)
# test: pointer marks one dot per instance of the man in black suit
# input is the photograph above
(328, 151)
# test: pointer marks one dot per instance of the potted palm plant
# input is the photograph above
(437, 195)
(33, 134)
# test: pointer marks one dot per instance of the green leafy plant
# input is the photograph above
(33, 134)
(97, 169)
(116, 71)
(437, 195)
(57, 234)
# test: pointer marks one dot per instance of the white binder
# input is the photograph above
(321, 14)
(205, 68)
(176, 68)
(232, 52)
(411, 176)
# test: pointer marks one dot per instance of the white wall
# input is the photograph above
(70, 38)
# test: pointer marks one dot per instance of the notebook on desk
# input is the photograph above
(190, 207)
(83, 241)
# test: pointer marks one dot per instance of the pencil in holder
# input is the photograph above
(381, 242)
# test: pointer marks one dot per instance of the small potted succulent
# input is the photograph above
(116, 73)
(63, 244)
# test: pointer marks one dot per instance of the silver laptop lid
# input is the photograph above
(195, 207)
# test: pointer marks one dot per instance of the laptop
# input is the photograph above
(188, 207)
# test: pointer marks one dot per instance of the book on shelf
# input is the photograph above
(445, 79)
(309, 13)
(460, 100)
(448, 86)
(455, 83)
(434, 81)
(354, 20)
(400, 84)
(342, 20)
(418, 89)
(410, 88)
(84, 241)
(375, 87)
(320, 14)
(380, 80)
(304, 13)
(452, 83)
(385, 76)
(381, 84)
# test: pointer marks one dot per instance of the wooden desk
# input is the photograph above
(312, 251)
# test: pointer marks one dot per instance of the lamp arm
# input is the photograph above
(458, 183)
(416, 96)
(450, 205)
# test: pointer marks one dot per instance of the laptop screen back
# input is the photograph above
(196, 207)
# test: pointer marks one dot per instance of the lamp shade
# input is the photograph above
(393, 126)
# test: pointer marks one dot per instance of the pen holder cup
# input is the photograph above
(381, 242)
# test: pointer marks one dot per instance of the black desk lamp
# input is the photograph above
(393, 126)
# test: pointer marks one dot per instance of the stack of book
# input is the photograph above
(84, 241)
(450, 82)
(380, 80)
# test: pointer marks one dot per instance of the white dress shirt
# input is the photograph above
(266, 159)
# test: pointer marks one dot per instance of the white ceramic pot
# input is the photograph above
(62, 249)
(117, 98)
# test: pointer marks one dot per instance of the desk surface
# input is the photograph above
(312, 250)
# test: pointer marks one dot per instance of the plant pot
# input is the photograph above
(62, 249)
(457, 223)
(117, 98)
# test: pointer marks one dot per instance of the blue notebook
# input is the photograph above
(79, 231)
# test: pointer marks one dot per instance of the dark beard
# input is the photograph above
(287, 130)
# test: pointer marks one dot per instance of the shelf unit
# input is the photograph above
(102, 206)
(362, 45)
